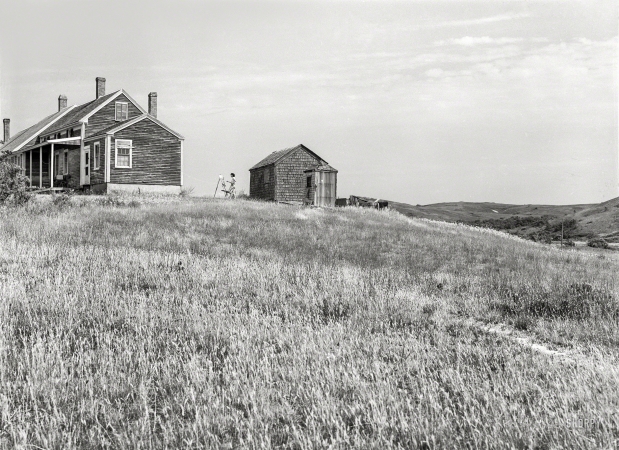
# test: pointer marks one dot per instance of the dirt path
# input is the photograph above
(600, 362)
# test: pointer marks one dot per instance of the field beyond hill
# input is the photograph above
(194, 323)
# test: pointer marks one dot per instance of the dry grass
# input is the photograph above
(206, 324)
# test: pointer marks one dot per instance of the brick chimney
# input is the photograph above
(100, 87)
(62, 102)
(152, 104)
(7, 130)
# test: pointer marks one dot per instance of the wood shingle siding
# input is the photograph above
(290, 177)
(156, 156)
(262, 183)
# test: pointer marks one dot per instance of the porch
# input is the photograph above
(47, 166)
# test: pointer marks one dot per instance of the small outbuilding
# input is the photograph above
(295, 175)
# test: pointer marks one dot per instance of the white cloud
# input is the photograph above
(470, 41)
(479, 21)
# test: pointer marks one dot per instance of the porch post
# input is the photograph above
(51, 167)
(30, 152)
(41, 167)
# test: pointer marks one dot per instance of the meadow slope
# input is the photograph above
(235, 324)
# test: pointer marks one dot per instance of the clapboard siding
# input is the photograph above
(74, 168)
(106, 116)
(156, 156)
(262, 182)
(97, 176)
(291, 180)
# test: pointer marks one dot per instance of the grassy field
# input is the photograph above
(233, 324)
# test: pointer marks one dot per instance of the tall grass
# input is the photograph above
(234, 324)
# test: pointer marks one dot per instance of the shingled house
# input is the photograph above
(109, 143)
(294, 174)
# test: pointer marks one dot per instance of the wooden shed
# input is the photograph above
(282, 177)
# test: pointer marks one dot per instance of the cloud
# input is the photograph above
(479, 21)
(470, 41)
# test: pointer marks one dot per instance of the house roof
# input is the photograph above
(80, 111)
(23, 137)
(281, 154)
(74, 116)
(127, 123)
(83, 112)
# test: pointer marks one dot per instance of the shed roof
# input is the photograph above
(322, 168)
(281, 154)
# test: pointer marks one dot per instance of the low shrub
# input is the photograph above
(542, 237)
(13, 184)
(597, 243)
(111, 201)
(61, 201)
(186, 192)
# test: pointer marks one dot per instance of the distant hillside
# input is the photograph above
(525, 220)
(600, 220)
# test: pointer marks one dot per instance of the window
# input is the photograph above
(57, 163)
(122, 111)
(123, 153)
(66, 163)
(95, 158)
(267, 176)
(309, 182)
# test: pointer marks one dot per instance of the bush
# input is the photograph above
(542, 237)
(110, 200)
(569, 227)
(597, 243)
(569, 243)
(13, 184)
(186, 192)
(62, 200)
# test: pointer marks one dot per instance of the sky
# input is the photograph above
(412, 101)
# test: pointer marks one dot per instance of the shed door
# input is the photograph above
(325, 188)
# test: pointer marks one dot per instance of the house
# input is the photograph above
(294, 174)
(110, 143)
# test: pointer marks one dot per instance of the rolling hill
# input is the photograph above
(207, 323)
(591, 220)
